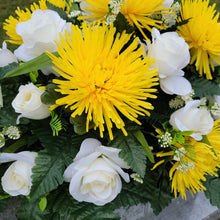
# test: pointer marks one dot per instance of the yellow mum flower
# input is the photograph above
(103, 80)
(202, 33)
(214, 138)
(24, 15)
(137, 12)
(189, 174)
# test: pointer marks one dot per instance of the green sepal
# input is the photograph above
(43, 203)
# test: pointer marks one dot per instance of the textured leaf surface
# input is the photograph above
(131, 152)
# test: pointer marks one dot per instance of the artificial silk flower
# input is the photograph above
(6, 56)
(17, 178)
(28, 103)
(188, 173)
(167, 3)
(137, 12)
(94, 175)
(193, 118)
(24, 15)
(202, 33)
(171, 54)
(102, 81)
(39, 34)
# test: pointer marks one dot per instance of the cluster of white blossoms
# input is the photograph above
(114, 9)
(74, 14)
(215, 109)
(165, 140)
(136, 177)
(184, 166)
(179, 153)
(12, 132)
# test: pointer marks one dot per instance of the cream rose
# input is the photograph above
(192, 118)
(28, 103)
(6, 56)
(171, 54)
(40, 33)
(17, 178)
(94, 173)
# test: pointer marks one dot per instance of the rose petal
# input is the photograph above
(175, 85)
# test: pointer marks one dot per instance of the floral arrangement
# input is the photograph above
(107, 104)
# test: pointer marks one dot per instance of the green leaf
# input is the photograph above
(60, 11)
(35, 64)
(186, 133)
(43, 203)
(47, 173)
(3, 204)
(6, 69)
(204, 87)
(50, 96)
(140, 137)
(33, 76)
(131, 152)
(55, 123)
(212, 191)
(179, 138)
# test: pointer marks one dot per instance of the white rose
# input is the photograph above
(17, 178)
(6, 56)
(40, 33)
(28, 103)
(94, 173)
(171, 54)
(192, 118)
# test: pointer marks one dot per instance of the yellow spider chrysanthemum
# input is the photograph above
(202, 33)
(137, 12)
(189, 174)
(214, 138)
(24, 15)
(100, 79)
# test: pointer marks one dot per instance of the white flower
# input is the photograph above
(6, 56)
(192, 118)
(171, 54)
(17, 178)
(94, 173)
(28, 103)
(12, 132)
(215, 109)
(2, 140)
(40, 33)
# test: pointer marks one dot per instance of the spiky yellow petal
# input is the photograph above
(101, 80)
(137, 12)
(202, 33)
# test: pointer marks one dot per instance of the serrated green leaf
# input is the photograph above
(203, 87)
(179, 138)
(35, 64)
(140, 137)
(43, 203)
(8, 68)
(212, 192)
(47, 173)
(131, 152)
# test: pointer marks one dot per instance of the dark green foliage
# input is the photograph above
(122, 24)
(131, 152)
(203, 87)
(6, 69)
